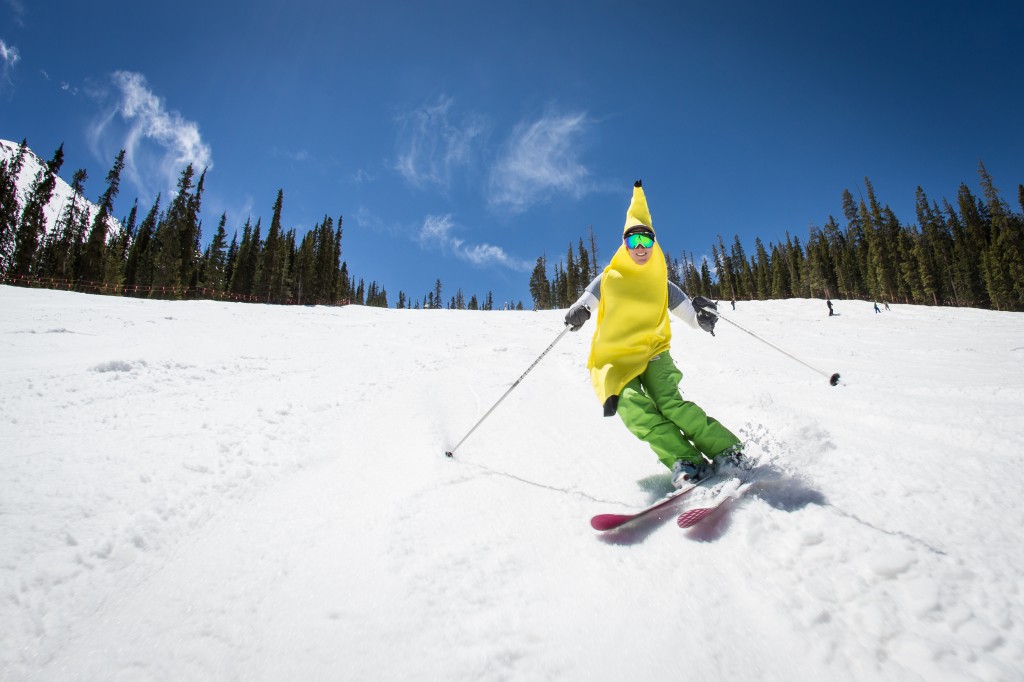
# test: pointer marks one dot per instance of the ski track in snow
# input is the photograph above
(201, 490)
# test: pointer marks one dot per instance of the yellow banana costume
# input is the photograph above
(632, 316)
(630, 366)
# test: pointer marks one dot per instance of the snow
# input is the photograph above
(206, 491)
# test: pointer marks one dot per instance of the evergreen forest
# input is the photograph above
(159, 254)
(967, 253)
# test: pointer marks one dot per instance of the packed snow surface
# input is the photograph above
(208, 491)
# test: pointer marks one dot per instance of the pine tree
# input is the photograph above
(858, 243)
(723, 270)
(674, 271)
(327, 255)
(705, 279)
(166, 261)
(690, 277)
(820, 279)
(116, 257)
(215, 259)
(138, 272)
(932, 251)
(62, 248)
(540, 287)
(586, 266)
(745, 277)
(559, 291)
(244, 276)
(95, 246)
(975, 240)
(271, 272)
(780, 272)
(10, 206)
(343, 295)
(1003, 260)
(762, 271)
(231, 261)
(304, 270)
(573, 278)
(173, 241)
(594, 260)
(843, 259)
(341, 289)
(191, 234)
(32, 227)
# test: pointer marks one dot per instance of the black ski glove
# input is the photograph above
(705, 318)
(576, 316)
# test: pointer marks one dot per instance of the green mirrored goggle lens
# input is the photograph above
(638, 239)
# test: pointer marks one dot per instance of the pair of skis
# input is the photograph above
(723, 491)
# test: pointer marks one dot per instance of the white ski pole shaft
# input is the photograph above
(558, 338)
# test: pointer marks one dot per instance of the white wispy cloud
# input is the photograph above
(431, 145)
(370, 221)
(158, 143)
(9, 57)
(437, 232)
(296, 155)
(540, 160)
(17, 12)
(362, 176)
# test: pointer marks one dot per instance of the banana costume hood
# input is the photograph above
(632, 316)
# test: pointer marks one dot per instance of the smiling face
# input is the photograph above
(640, 246)
(640, 255)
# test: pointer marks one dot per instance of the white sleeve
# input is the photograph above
(681, 306)
(591, 295)
(589, 300)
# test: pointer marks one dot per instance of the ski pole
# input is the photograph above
(832, 379)
(450, 453)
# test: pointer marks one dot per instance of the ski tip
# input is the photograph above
(604, 522)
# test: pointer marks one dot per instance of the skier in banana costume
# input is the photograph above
(630, 367)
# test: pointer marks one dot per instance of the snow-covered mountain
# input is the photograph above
(62, 193)
(213, 491)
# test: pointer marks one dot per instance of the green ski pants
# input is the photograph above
(654, 411)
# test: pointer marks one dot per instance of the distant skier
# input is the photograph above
(829, 302)
(876, 307)
(734, 304)
(630, 367)
(886, 304)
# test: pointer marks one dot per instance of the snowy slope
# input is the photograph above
(202, 490)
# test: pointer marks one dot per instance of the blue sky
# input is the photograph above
(461, 140)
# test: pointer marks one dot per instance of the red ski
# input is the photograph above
(612, 521)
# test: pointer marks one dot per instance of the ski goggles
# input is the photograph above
(639, 239)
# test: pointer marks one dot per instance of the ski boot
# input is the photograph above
(687, 472)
